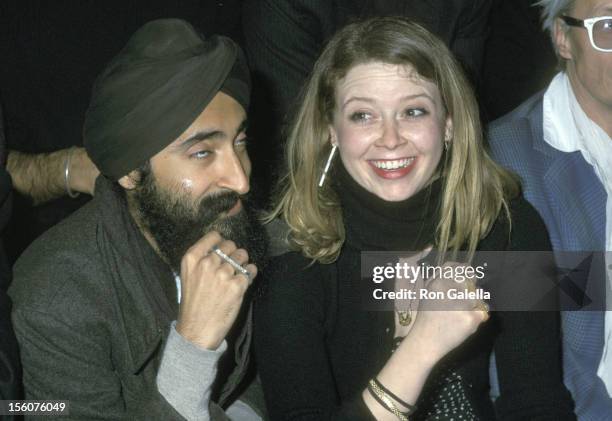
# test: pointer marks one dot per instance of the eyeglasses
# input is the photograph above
(599, 28)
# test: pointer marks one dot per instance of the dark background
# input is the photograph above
(50, 55)
(52, 51)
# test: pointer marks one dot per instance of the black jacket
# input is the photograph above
(315, 316)
(10, 372)
(93, 308)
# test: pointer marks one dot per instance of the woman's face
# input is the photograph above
(389, 125)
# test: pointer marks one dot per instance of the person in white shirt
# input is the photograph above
(559, 142)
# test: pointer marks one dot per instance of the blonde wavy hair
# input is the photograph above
(475, 189)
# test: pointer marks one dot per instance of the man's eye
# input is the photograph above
(241, 142)
(200, 154)
(360, 116)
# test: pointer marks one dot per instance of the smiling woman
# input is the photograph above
(412, 174)
(391, 100)
(389, 125)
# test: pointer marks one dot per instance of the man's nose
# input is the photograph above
(234, 174)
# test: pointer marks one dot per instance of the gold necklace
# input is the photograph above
(405, 317)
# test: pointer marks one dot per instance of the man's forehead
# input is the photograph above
(592, 8)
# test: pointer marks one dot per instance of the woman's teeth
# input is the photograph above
(393, 164)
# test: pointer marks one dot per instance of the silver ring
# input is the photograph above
(232, 262)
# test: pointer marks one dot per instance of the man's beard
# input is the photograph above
(176, 222)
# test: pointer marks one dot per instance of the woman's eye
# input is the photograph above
(360, 116)
(415, 112)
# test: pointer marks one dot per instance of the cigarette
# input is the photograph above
(232, 262)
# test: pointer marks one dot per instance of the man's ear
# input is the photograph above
(130, 181)
(562, 40)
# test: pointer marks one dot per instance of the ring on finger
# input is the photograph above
(237, 267)
(482, 306)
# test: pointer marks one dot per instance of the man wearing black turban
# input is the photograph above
(130, 308)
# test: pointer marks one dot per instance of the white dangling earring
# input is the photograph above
(327, 165)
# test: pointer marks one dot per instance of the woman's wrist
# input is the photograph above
(406, 371)
(421, 346)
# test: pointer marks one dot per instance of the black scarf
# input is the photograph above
(155, 279)
(372, 223)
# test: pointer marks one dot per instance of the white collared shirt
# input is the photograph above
(567, 128)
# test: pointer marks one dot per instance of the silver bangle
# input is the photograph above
(67, 173)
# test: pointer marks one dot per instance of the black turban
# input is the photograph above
(153, 90)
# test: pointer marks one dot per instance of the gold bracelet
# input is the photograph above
(385, 400)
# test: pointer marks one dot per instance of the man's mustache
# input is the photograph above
(211, 207)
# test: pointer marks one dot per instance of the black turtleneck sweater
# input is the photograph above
(316, 347)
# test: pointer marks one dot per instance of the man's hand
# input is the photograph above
(83, 172)
(212, 291)
(42, 176)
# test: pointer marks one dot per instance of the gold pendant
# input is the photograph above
(405, 317)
